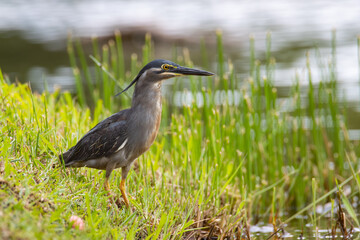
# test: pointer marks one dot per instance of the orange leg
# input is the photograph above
(123, 192)
(107, 186)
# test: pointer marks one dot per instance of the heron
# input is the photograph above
(117, 141)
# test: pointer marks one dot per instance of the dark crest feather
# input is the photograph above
(153, 64)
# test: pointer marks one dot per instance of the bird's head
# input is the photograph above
(160, 69)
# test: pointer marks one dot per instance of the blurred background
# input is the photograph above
(33, 34)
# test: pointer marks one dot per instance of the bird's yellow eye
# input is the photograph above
(165, 67)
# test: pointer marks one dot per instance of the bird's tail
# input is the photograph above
(65, 157)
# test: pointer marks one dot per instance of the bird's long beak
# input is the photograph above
(178, 71)
(190, 71)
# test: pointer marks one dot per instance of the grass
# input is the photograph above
(239, 154)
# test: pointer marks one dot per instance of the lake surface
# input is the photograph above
(33, 37)
(33, 33)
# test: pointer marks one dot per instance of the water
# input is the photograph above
(300, 230)
(33, 33)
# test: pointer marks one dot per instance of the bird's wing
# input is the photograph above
(106, 138)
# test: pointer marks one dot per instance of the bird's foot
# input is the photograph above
(118, 201)
(121, 204)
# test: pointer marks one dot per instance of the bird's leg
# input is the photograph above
(123, 192)
(109, 169)
(107, 186)
(124, 173)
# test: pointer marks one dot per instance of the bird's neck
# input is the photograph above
(145, 116)
(147, 95)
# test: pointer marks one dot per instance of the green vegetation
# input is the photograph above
(235, 152)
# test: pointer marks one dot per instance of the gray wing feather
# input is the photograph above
(101, 141)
